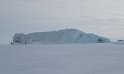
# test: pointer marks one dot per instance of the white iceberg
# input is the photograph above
(58, 37)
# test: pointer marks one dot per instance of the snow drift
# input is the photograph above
(56, 37)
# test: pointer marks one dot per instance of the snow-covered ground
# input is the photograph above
(104, 58)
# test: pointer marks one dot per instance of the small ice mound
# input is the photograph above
(120, 42)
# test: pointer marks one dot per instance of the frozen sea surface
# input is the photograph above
(105, 58)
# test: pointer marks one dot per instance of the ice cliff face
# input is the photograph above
(57, 37)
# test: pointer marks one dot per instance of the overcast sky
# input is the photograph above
(102, 17)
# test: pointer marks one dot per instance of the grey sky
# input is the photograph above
(102, 17)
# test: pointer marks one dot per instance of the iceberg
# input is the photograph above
(64, 36)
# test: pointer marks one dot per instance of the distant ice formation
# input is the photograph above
(58, 37)
(119, 42)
